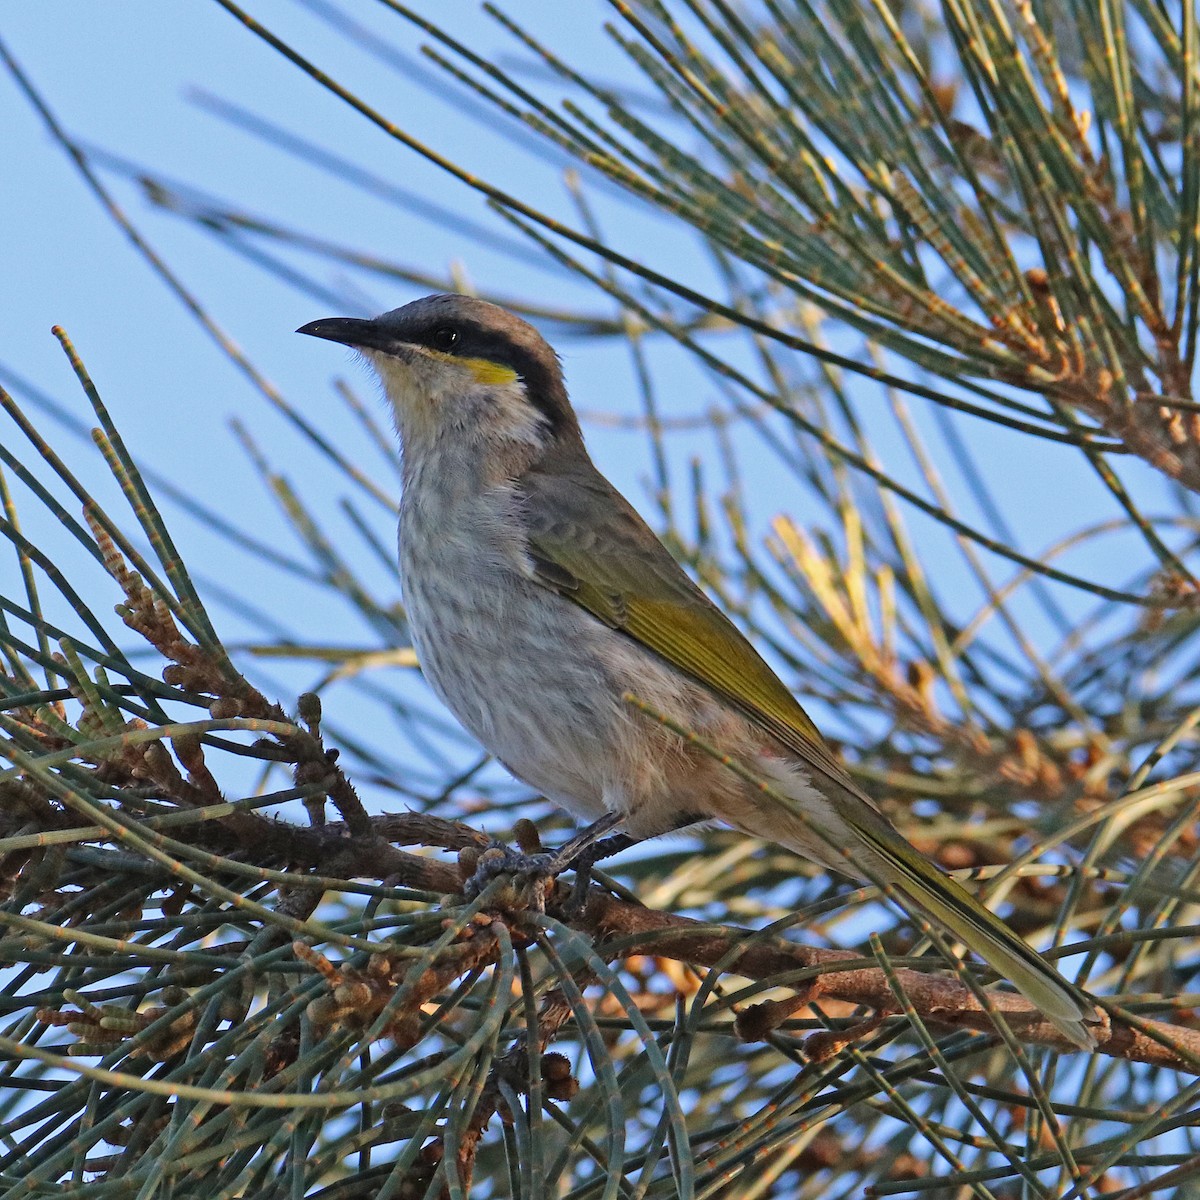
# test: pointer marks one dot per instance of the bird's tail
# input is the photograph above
(845, 831)
(917, 880)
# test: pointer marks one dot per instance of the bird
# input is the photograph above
(539, 601)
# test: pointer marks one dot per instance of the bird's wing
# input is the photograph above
(587, 543)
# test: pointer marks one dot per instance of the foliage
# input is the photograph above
(979, 225)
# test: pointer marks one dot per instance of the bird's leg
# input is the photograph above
(581, 848)
(583, 863)
(596, 848)
(532, 863)
(601, 849)
(588, 847)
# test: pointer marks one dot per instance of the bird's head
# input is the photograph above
(464, 372)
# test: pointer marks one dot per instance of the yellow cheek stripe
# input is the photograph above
(484, 370)
(488, 372)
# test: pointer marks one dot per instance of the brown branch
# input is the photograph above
(938, 998)
(628, 930)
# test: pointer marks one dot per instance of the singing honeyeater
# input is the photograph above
(537, 599)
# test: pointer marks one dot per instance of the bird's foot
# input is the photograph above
(582, 864)
(536, 869)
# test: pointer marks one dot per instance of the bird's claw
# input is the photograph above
(535, 871)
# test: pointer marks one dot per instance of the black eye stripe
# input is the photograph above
(468, 339)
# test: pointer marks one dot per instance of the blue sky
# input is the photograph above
(124, 79)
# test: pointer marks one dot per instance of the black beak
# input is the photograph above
(350, 331)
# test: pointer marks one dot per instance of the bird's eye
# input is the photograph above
(444, 338)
